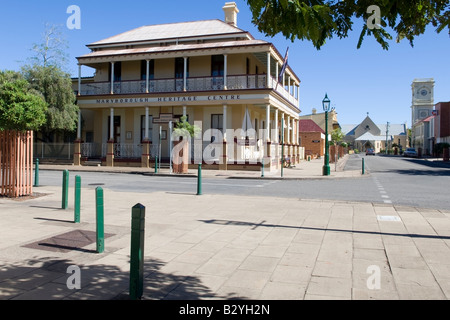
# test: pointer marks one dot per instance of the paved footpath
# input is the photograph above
(304, 170)
(224, 247)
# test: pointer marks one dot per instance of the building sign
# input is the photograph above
(168, 99)
(188, 99)
(165, 118)
(247, 142)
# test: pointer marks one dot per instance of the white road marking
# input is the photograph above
(383, 192)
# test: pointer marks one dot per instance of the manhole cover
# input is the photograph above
(66, 242)
(388, 218)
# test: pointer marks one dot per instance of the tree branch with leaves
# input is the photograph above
(320, 20)
(46, 74)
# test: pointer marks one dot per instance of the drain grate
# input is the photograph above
(66, 242)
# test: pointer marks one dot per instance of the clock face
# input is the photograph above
(423, 93)
(423, 114)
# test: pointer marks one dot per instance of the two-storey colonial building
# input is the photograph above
(217, 75)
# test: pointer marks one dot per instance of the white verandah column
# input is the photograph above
(112, 77)
(110, 147)
(147, 80)
(79, 79)
(223, 162)
(185, 74)
(225, 72)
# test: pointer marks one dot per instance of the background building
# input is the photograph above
(442, 122)
(421, 109)
(319, 119)
(312, 138)
(367, 135)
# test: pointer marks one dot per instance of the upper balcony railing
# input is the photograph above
(238, 82)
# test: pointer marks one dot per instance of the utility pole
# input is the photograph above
(387, 132)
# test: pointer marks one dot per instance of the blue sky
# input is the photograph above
(357, 81)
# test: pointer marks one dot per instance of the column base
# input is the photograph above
(145, 157)
(77, 153)
(223, 164)
(326, 170)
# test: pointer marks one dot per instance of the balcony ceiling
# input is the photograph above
(176, 49)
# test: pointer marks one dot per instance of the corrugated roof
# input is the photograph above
(180, 47)
(308, 125)
(394, 129)
(427, 119)
(370, 137)
(171, 31)
(349, 129)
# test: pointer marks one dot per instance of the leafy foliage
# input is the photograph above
(21, 107)
(56, 88)
(185, 129)
(337, 136)
(439, 147)
(320, 20)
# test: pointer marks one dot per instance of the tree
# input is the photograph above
(442, 149)
(21, 107)
(21, 110)
(320, 20)
(181, 156)
(185, 129)
(56, 88)
(336, 138)
(46, 75)
(51, 51)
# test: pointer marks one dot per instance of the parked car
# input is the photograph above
(410, 152)
(370, 152)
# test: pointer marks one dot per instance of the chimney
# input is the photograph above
(231, 12)
(314, 111)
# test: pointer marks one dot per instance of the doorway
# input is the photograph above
(116, 131)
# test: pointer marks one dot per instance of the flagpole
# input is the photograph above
(283, 68)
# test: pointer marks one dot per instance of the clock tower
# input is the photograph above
(422, 99)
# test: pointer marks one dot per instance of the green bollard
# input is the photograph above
(156, 164)
(65, 190)
(137, 251)
(199, 180)
(363, 169)
(100, 221)
(262, 168)
(77, 206)
(36, 174)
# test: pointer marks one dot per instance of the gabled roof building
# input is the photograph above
(212, 72)
(368, 135)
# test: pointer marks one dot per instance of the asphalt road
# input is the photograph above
(391, 180)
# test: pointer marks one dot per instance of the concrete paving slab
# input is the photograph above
(329, 287)
(230, 247)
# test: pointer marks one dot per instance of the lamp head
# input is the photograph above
(326, 103)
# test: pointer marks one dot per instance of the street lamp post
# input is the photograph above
(326, 108)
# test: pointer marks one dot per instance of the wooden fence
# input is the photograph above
(16, 163)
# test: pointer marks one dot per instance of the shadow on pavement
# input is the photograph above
(47, 278)
(262, 224)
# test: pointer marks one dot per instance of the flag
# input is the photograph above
(283, 68)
